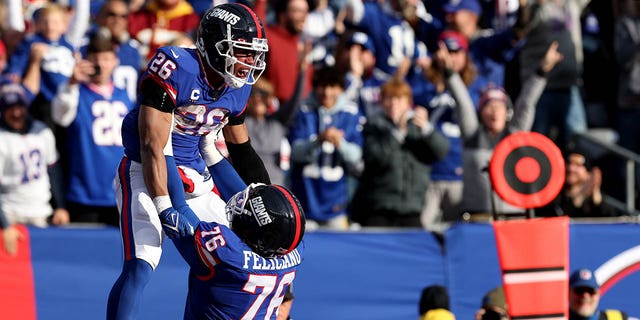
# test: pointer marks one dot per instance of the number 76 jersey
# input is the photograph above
(228, 280)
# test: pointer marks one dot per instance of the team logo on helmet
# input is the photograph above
(259, 211)
(226, 30)
(224, 15)
(268, 218)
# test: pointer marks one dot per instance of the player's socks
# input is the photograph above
(125, 296)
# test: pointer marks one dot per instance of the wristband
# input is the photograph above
(162, 203)
(208, 150)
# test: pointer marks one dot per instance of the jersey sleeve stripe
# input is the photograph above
(206, 257)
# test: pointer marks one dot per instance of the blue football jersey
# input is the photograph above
(94, 141)
(227, 280)
(56, 67)
(127, 72)
(200, 110)
(321, 183)
(393, 37)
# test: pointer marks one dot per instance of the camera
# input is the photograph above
(96, 71)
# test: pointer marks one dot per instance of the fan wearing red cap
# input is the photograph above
(452, 59)
(453, 50)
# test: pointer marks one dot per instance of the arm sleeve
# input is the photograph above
(525, 107)
(17, 62)
(239, 119)
(427, 149)
(57, 185)
(354, 84)
(356, 10)
(15, 15)
(3, 221)
(64, 106)
(176, 191)
(467, 117)
(350, 152)
(226, 179)
(247, 163)
(155, 96)
(79, 22)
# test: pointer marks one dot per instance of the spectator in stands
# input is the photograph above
(434, 304)
(28, 167)
(320, 30)
(57, 63)
(560, 108)
(268, 128)
(160, 21)
(287, 50)
(494, 306)
(584, 297)
(627, 49)
(495, 119)
(581, 195)
(429, 88)
(358, 58)
(627, 53)
(387, 23)
(91, 108)
(31, 78)
(326, 143)
(489, 50)
(400, 143)
(112, 19)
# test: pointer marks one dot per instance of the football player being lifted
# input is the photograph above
(186, 98)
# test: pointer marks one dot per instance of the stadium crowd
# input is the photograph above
(374, 113)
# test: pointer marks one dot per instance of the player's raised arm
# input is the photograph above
(155, 131)
(155, 122)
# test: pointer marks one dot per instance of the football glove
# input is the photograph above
(176, 225)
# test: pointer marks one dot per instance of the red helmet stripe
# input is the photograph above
(256, 21)
(296, 213)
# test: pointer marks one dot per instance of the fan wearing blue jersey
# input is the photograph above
(243, 271)
(387, 23)
(91, 108)
(186, 97)
(51, 25)
(363, 79)
(326, 145)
